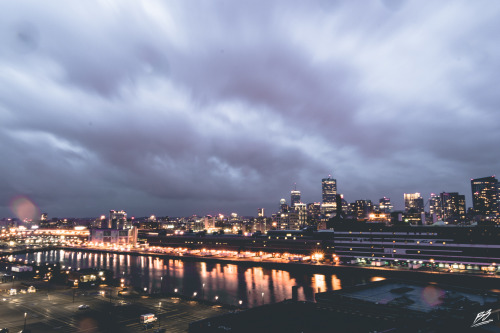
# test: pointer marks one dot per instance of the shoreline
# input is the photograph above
(459, 279)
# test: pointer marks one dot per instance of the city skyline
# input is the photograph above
(179, 109)
(22, 207)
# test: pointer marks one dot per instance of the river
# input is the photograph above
(225, 282)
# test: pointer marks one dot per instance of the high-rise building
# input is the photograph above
(485, 196)
(295, 198)
(329, 195)
(313, 212)
(301, 210)
(328, 189)
(435, 207)
(260, 212)
(385, 205)
(118, 220)
(453, 206)
(414, 203)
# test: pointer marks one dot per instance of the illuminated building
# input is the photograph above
(114, 236)
(260, 212)
(435, 207)
(363, 209)
(118, 220)
(88, 276)
(295, 197)
(286, 218)
(313, 212)
(379, 217)
(413, 203)
(485, 196)
(328, 189)
(385, 205)
(301, 209)
(209, 222)
(283, 205)
(453, 206)
(329, 193)
(43, 217)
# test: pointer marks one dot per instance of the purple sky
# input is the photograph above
(199, 107)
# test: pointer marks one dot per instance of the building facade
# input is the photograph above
(485, 197)
(414, 203)
(114, 236)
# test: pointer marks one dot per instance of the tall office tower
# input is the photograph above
(301, 210)
(485, 196)
(385, 205)
(295, 198)
(435, 207)
(118, 220)
(329, 194)
(413, 203)
(260, 212)
(453, 206)
(328, 189)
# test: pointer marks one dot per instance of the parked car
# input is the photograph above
(83, 307)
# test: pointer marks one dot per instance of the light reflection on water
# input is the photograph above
(229, 282)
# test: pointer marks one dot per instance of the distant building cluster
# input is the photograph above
(441, 209)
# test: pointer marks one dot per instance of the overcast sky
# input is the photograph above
(199, 107)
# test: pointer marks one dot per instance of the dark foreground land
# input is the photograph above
(57, 310)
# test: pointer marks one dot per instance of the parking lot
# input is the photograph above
(59, 309)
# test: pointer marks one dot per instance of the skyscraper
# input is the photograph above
(485, 196)
(385, 205)
(435, 207)
(453, 206)
(295, 197)
(118, 220)
(329, 194)
(414, 203)
(328, 189)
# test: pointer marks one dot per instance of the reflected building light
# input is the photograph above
(336, 284)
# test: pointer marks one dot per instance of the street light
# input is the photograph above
(25, 314)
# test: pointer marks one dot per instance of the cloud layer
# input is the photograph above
(176, 108)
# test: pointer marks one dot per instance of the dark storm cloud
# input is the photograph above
(176, 108)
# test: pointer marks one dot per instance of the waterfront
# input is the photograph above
(216, 281)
